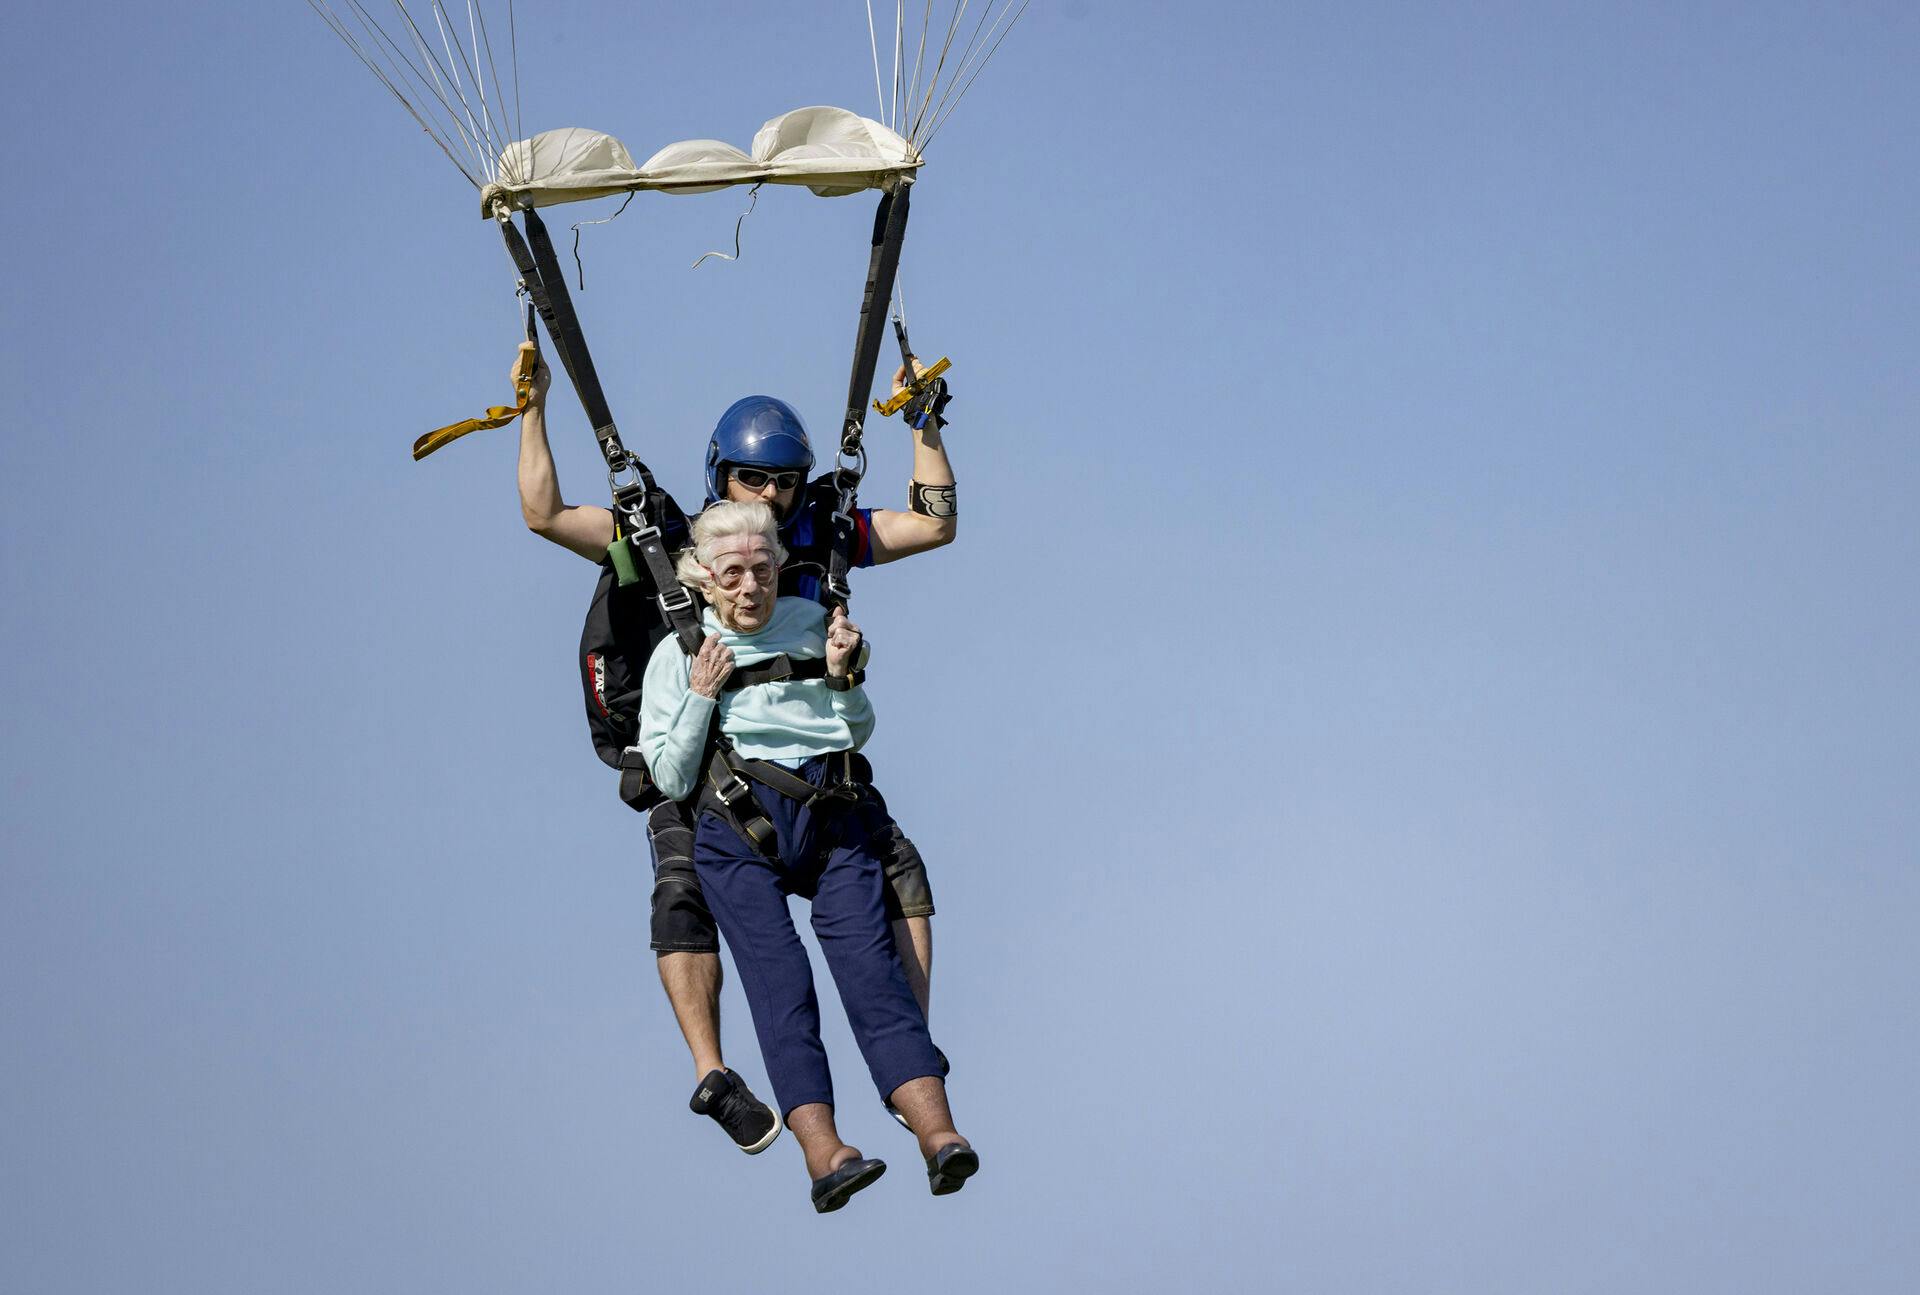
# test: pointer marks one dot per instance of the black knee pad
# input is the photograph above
(681, 921)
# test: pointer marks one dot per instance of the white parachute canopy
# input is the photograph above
(829, 150)
(457, 73)
(446, 70)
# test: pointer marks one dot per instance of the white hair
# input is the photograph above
(726, 520)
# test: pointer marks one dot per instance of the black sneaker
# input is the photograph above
(750, 1122)
(946, 1068)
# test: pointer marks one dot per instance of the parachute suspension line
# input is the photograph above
(899, 60)
(396, 59)
(953, 25)
(439, 83)
(519, 122)
(513, 59)
(347, 38)
(753, 197)
(873, 43)
(919, 58)
(446, 80)
(453, 88)
(479, 82)
(922, 97)
(430, 74)
(579, 269)
(478, 14)
(951, 99)
(483, 128)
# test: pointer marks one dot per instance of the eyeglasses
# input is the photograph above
(757, 478)
(729, 576)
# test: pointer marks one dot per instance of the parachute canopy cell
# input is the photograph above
(830, 150)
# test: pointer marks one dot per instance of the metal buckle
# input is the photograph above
(613, 476)
(631, 497)
(676, 599)
(850, 462)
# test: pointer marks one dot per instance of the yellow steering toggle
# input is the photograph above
(914, 388)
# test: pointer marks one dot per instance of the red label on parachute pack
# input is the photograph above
(597, 677)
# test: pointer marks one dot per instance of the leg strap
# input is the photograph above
(728, 794)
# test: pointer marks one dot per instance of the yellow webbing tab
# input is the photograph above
(913, 388)
(497, 415)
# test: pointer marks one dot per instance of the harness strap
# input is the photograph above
(784, 669)
(777, 669)
(727, 792)
(883, 265)
(636, 783)
(730, 796)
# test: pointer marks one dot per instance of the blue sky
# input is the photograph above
(1415, 744)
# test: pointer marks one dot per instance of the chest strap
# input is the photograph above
(783, 668)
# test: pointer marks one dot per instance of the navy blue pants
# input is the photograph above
(826, 855)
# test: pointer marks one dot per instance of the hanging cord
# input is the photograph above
(579, 270)
(753, 197)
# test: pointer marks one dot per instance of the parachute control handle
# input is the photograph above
(496, 415)
(915, 389)
(926, 394)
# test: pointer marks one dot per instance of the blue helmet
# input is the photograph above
(760, 432)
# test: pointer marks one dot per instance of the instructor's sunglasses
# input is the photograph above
(757, 478)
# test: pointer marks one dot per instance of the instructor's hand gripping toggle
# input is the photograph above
(524, 366)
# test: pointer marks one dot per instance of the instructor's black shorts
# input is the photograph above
(682, 922)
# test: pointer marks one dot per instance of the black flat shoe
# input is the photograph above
(831, 1192)
(949, 1168)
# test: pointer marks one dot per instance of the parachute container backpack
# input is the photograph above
(466, 96)
(622, 628)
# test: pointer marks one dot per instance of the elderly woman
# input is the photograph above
(778, 818)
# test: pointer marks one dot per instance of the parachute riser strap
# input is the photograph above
(883, 265)
(637, 540)
(634, 492)
(560, 316)
(546, 284)
(535, 288)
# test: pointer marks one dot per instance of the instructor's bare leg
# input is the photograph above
(692, 982)
(914, 938)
